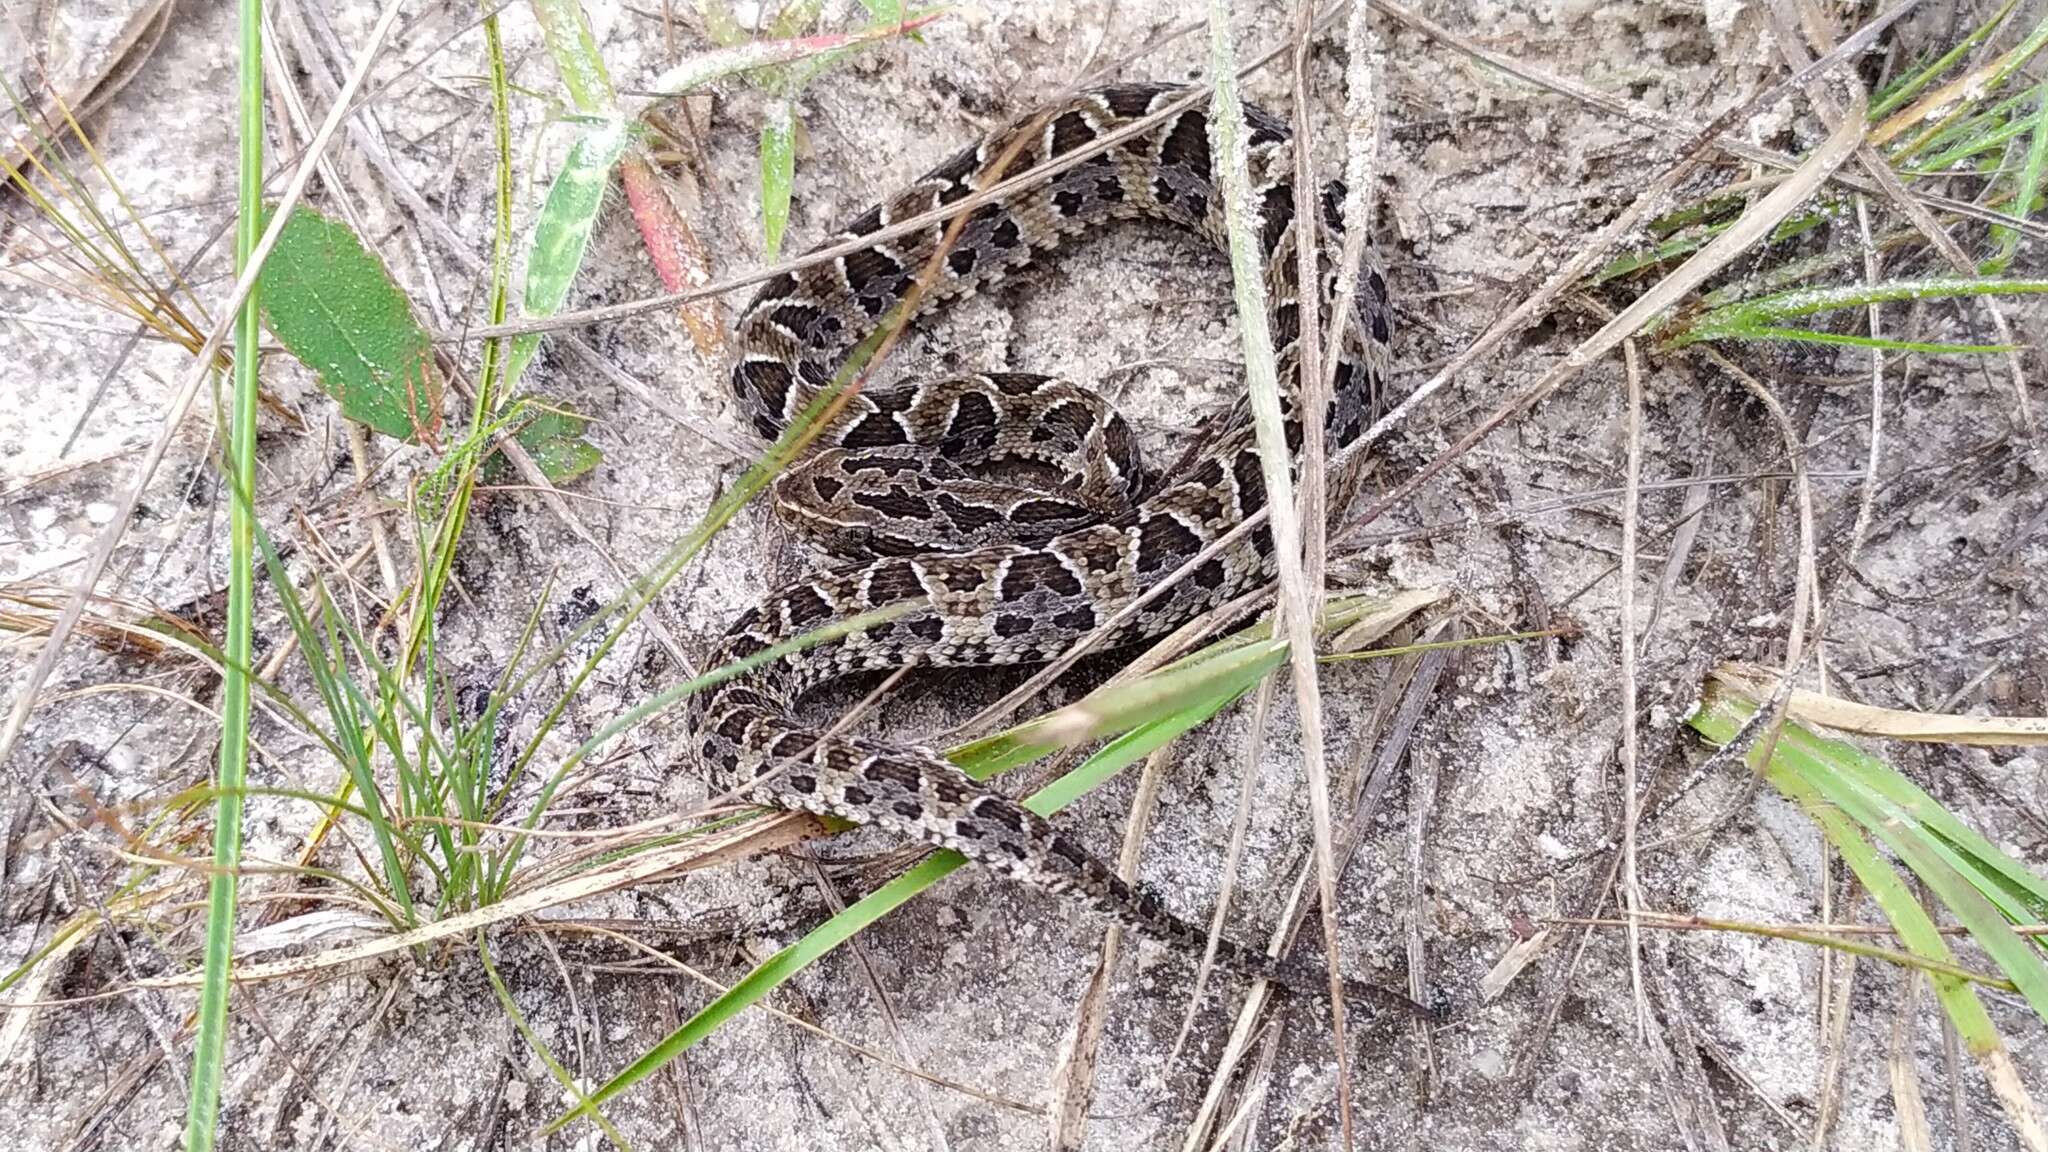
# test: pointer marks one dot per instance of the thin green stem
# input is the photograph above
(202, 1113)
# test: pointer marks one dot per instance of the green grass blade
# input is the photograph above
(1848, 340)
(1915, 929)
(778, 171)
(570, 43)
(2029, 184)
(209, 1049)
(1736, 321)
(325, 661)
(2005, 880)
(533, 1041)
(1910, 84)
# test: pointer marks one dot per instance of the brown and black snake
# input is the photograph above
(1003, 571)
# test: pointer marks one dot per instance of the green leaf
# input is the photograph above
(561, 234)
(566, 31)
(778, 170)
(555, 441)
(334, 306)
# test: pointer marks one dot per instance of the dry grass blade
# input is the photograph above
(77, 96)
(1911, 1108)
(1890, 723)
(715, 848)
(1625, 610)
(1298, 600)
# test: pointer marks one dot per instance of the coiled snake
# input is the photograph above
(1008, 572)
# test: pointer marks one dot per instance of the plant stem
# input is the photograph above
(203, 1109)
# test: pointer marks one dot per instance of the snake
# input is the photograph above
(1004, 516)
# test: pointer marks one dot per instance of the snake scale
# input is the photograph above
(898, 489)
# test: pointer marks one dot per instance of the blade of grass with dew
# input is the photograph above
(779, 968)
(209, 1048)
(1113, 708)
(440, 557)
(1735, 321)
(333, 305)
(1850, 340)
(1780, 276)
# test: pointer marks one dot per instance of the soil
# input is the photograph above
(1503, 814)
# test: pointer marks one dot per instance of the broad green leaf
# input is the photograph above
(334, 306)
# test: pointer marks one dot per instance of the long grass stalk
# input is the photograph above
(1297, 600)
(202, 1111)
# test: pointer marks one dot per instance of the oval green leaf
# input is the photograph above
(332, 303)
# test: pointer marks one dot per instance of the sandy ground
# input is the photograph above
(1503, 812)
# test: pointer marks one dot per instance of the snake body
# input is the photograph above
(1005, 572)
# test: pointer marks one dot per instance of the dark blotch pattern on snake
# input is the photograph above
(1008, 572)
